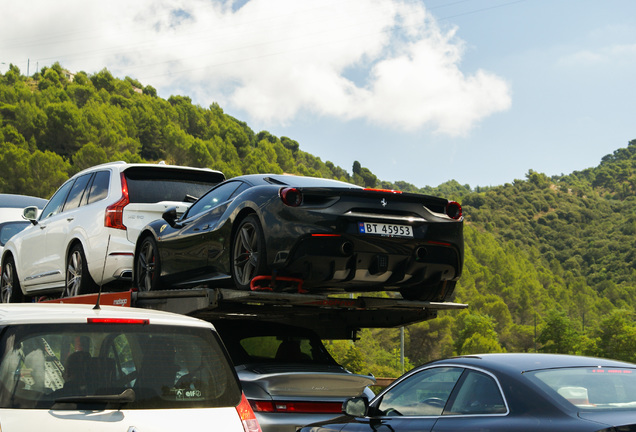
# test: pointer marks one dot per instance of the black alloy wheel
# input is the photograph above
(147, 267)
(248, 252)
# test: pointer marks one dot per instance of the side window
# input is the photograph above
(99, 188)
(478, 394)
(423, 394)
(77, 192)
(56, 203)
(213, 198)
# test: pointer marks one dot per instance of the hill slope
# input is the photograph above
(550, 262)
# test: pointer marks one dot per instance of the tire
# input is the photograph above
(10, 291)
(147, 266)
(78, 279)
(248, 252)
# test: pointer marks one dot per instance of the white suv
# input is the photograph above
(86, 234)
(78, 368)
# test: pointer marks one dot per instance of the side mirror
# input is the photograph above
(170, 216)
(356, 407)
(31, 214)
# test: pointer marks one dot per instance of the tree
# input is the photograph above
(616, 336)
(558, 334)
(63, 135)
(476, 334)
(103, 80)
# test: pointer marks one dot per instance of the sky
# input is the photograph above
(422, 91)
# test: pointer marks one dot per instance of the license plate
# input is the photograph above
(389, 230)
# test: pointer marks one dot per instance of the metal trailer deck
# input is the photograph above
(331, 316)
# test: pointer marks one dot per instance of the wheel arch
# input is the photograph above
(69, 247)
(242, 214)
(6, 254)
(146, 232)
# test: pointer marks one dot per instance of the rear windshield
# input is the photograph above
(300, 181)
(155, 184)
(97, 366)
(262, 344)
(591, 388)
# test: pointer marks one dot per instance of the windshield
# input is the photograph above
(77, 366)
(591, 388)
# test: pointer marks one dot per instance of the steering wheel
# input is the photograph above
(434, 401)
(392, 412)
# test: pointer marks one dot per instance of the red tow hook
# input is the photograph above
(271, 283)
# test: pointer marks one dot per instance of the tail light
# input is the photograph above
(383, 190)
(454, 210)
(291, 197)
(250, 424)
(115, 212)
(141, 321)
(298, 407)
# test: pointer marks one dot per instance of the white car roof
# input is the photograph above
(49, 313)
(121, 165)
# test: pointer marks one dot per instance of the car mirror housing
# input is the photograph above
(30, 213)
(356, 407)
(170, 216)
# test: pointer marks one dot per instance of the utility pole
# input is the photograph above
(402, 348)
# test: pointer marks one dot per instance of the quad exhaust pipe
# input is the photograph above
(346, 248)
(420, 253)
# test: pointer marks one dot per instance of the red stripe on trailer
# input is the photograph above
(106, 299)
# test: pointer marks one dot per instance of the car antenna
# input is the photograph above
(101, 282)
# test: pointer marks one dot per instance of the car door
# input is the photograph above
(60, 227)
(477, 404)
(413, 405)
(35, 265)
(189, 248)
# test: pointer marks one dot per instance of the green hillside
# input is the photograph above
(550, 262)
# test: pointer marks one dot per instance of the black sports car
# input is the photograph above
(327, 235)
(500, 392)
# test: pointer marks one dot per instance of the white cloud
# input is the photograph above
(272, 59)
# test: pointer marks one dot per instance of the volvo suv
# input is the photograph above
(80, 368)
(85, 236)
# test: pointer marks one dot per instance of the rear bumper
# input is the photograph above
(118, 253)
(279, 422)
(350, 262)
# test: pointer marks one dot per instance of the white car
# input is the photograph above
(85, 236)
(77, 368)
(11, 220)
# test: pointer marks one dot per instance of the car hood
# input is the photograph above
(299, 380)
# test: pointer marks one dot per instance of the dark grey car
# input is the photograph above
(287, 374)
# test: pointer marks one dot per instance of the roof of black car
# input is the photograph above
(293, 180)
(522, 362)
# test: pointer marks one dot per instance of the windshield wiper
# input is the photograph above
(127, 396)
